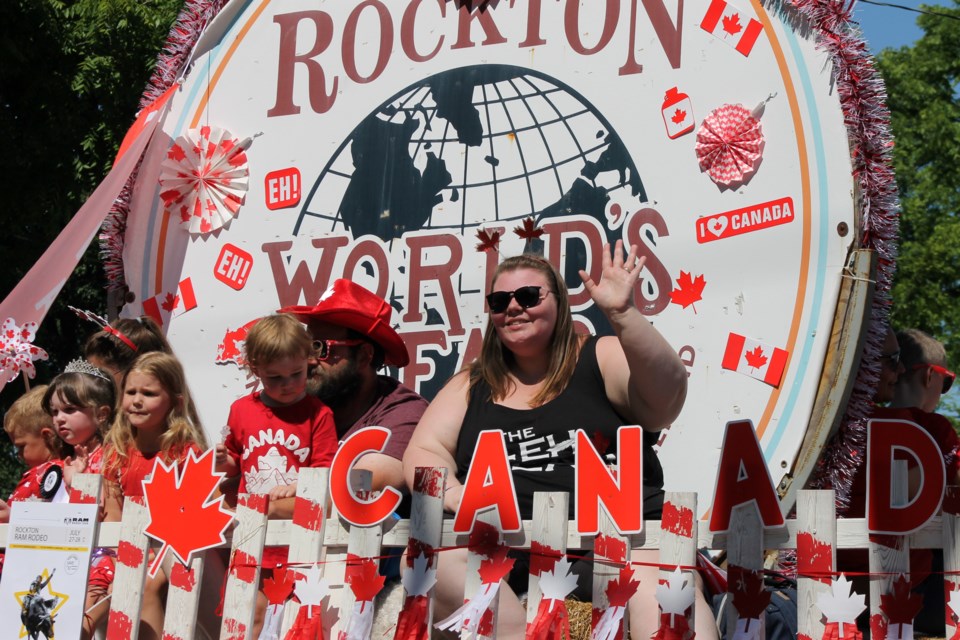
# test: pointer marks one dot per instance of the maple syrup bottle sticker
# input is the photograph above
(677, 113)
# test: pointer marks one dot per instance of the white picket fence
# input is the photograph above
(318, 537)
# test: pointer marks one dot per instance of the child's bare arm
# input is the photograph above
(112, 502)
(225, 462)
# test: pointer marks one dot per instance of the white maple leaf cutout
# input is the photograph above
(842, 605)
(419, 579)
(557, 584)
(954, 602)
(677, 595)
(311, 589)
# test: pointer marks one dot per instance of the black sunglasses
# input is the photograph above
(893, 358)
(526, 297)
(322, 347)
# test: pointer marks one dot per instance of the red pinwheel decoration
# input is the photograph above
(730, 145)
(16, 351)
(204, 178)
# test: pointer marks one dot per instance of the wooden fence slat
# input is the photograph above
(744, 549)
(86, 488)
(183, 600)
(240, 596)
(550, 522)
(678, 543)
(611, 553)
(888, 555)
(307, 529)
(364, 543)
(816, 552)
(473, 581)
(951, 550)
(426, 525)
(131, 572)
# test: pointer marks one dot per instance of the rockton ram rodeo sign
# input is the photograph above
(410, 145)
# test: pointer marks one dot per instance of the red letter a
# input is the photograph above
(489, 485)
(743, 477)
(362, 513)
(884, 439)
(622, 497)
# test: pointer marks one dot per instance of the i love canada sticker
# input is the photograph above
(739, 221)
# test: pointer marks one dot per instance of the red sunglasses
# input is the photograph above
(948, 376)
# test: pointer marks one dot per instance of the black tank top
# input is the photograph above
(540, 441)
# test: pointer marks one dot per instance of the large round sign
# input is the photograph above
(411, 145)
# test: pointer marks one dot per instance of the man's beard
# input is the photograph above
(335, 387)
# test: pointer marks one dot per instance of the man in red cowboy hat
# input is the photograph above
(353, 340)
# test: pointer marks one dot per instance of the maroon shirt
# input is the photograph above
(396, 408)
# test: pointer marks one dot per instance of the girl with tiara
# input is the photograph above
(80, 401)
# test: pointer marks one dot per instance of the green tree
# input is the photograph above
(922, 87)
(71, 76)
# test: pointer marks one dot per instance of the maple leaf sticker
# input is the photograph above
(755, 358)
(420, 578)
(494, 568)
(170, 302)
(679, 116)
(173, 498)
(364, 577)
(676, 596)
(528, 230)
(841, 606)
(489, 240)
(749, 596)
(278, 586)
(688, 291)
(731, 24)
(901, 606)
(620, 591)
(558, 583)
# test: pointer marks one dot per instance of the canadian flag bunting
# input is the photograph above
(417, 582)
(164, 306)
(733, 25)
(552, 621)
(841, 607)
(675, 596)
(756, 359)
(365, 582)
(619, 592)
(468, 618)
(310, 590)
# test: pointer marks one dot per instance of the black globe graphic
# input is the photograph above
(473, 146)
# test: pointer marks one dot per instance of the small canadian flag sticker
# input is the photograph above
(731, 24)
(756, 359)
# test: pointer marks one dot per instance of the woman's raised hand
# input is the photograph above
(619, 275)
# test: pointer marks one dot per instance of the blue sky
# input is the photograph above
(888, 26)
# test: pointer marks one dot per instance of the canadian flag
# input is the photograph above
(756, 359)
(732, 25)
(170, 304)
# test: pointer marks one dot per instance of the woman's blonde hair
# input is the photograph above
(183, 426)
(493, 365)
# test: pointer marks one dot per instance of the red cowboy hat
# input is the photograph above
(347, 304)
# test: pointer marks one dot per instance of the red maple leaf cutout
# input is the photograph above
(488, 240)
(731, 24)
(278, 587)
(494, 568)
(755, 358)
(749, 596)
(679, 116)
(176, 153)
(528, 230)
(170, 302)
(620, 591)
(688, 291)
(176, 497)
(901, 606)
(364, 577)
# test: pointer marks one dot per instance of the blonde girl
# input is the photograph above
(152, 422)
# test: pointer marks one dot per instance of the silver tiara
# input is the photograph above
(82, 366)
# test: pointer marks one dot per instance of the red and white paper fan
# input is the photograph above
(730, 144)
(17, 353)
(204, 178)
